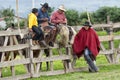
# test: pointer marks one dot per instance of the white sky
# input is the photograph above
(26, 5)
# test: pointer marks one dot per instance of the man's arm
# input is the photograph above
(31, 19)
(53, 19)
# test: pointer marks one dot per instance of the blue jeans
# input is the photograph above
(89, 58)
(38, 33)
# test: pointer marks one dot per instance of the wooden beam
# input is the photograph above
(102, 25)
(117, 37)
(14, 62)
(13, 47)
(17, 77)
(53, 58)
(116, 25)
(106, 52)
(106, 38)
(13, 32)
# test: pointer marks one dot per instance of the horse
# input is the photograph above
(65, 35)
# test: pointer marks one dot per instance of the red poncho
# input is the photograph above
(86, 38)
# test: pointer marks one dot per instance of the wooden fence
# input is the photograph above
(32, 64)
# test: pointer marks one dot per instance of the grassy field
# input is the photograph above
(106, 71)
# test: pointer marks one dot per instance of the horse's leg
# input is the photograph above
(47, 54)
(53, 36)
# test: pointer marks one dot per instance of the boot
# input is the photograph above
(42, 43)
(51, 44)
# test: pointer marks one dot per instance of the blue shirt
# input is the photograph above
(42, 15)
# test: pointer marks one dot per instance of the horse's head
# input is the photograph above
(48, 34)
(72, 34)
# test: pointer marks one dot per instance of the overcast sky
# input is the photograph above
(26, 5)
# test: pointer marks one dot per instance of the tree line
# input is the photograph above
(96, 17)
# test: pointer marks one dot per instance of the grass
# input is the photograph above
(107, 72)
(111, 72)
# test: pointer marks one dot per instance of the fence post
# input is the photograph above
(111, 44)
(31, 57)
(68, 51)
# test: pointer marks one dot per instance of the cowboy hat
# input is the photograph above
(87, 24)
(62, 8)
(45, 5)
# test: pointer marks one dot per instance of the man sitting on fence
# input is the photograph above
(33, 27)
(86, 42)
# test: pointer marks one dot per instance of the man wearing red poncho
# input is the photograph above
(86, 42)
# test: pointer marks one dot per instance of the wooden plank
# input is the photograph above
(13, 47)
(14, 62)
(106, 55)
(48, 73)
(106, 52)
(116, 25)
(36, 47)
(106, 38)
(51, 62)
(117, 37)
(111, 46)
(38, 64)
(57, 72)
(5, 43)
(17, 77)
(53, 58)
(102, 25)
(69, 62)
(31, 57)
(13, 32)
(12, 57)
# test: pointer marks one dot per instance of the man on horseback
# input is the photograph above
(33, 27)
(59, 17)
(43, 14)
(44, 22)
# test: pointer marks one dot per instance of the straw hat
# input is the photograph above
(62, 8)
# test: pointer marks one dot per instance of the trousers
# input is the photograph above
(90, 60)
(38, 33)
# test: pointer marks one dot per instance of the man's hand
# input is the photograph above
(30, 30)
(44, 19)
(62, 22)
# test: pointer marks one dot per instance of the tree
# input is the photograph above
(50, 11)
(8, 15)
(73, 17)
(100, 16)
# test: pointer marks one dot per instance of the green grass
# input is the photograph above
(111, 72)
